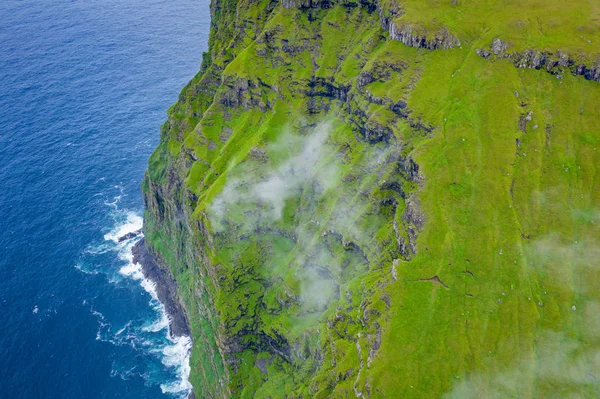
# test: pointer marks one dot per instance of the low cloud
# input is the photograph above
(283, 182)
(299, 171)
(567, 260)
(256, 198)
(561, 367)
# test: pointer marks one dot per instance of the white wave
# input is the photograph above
(82, 268)
(161, 323)
(133, 223)
(114, 204)
(99, 315)
(120, 331)
(103, 325)
(178, 355)
(134, 271)
(150, 287)
(175, 355)
(99, 249)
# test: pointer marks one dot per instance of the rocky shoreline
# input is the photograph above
(166, 290)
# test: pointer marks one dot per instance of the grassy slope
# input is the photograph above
(511, 229)
(522, 220)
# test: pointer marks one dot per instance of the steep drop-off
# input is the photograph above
(387, 199)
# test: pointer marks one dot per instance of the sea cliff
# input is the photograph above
(355, 200)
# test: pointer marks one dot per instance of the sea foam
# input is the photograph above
(173, 352)
(176, 355)
(133, 222)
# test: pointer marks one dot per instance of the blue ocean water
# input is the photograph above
(84, 87)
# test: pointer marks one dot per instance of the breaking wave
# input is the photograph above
(150, 336)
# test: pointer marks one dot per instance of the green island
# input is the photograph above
(387, 199)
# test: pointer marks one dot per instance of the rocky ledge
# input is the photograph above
(166, 289)
(557, 63)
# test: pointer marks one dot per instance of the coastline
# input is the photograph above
(165, 287)
(166, 290)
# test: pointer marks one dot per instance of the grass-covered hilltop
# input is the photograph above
(387, 199)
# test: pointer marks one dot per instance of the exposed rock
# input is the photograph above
(225, 134)
(394, 186)
(399, 109)
(365, 78)
(244, 93)
(498, 46)
(409, 168)
(414, 37)
(373, 132)
(322, 87)
(483, 53)
(293, 49)
(557, 63)
(258, 154)
(375, 340)
(379, 72)
(262, 365)
(347, 244)
(523, 121)
(307, 4)
(414, 220)
(130, 235)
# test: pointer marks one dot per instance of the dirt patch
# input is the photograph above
(435, 280)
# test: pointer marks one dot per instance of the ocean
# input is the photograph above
(84, 87)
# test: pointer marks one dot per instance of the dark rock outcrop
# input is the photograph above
(245, 93)
(374, 132)
(322, 87)
(557, 63)
(130, 235)
(415, 37)
(307, 4)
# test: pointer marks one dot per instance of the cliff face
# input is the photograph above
(355, 204)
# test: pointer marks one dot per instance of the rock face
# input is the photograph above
(409, 35)
(130, 235)
(555, 63)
